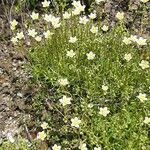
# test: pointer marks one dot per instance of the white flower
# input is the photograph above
(104, 111)
(144, 1)
(66, 15)
(78, 6)
(48, 18)
(12, 28)
(141, 41)
(133, 38)
(104, 88)
(128, 57)
(147, 120)
(41, 135)
(97, 148)
(46, 3)
(13, 24)
(144, 64)
(94, 29)
(55, 22)
(63, 82)
(76, 12)
(71, 53)
(32, 32)
(75, 122)
(20, 35)
(120, 15)
(56, 147)
(142, 97)
(83, 20)
(72, 39)
(47, 34)
(127, 41)
(92, 15)
(34, 16)
(76, 3)
(56, 25)
(14, 40)
(90, 55)
(105, 28)
(10, 137)
(38, 38)
(81, 8)
(65, 100)
(98, 1)
(83, 146)
(44, 125)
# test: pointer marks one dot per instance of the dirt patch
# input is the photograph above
(14, 89)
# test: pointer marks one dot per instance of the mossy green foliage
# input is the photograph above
(123, 128)
(20, 144)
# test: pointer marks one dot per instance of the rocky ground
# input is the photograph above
(15, 91)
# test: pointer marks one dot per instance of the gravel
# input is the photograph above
(13, 86)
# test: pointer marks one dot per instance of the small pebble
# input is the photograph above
(19, 94)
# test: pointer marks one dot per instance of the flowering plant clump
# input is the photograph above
(95, 80)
